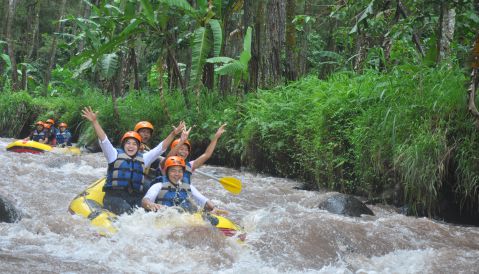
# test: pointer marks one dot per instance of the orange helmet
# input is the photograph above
(51, 121)
(143, 124)
(131, 134)
(175, 143)
(39, 123)
(62, 125)
(174, 161)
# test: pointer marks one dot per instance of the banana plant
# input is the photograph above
(236, 68)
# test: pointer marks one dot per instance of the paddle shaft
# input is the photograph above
(207, 175)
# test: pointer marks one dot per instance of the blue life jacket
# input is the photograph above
(187, 173)
(126, 173)
(37, 136)
(172, 195)
(64, 137)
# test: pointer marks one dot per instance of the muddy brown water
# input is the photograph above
(287, 233)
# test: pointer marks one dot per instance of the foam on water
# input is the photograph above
(287, 232)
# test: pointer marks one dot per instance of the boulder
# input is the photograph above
(345, 205)
(8, 212)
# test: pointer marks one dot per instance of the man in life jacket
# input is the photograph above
(124, 186)
(145, 129)
(182, 147)
(63, 136)
(50, 125)
(38, 134)
(171, 190)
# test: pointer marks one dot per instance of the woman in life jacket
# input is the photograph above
(38, 134)
(182, 147)
(124, 186)
(171, 190)
(63, 136)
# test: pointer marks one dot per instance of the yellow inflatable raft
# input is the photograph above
(89, 204)
(22, 146)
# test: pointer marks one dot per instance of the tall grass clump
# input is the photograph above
(395, 137)
(16, 110)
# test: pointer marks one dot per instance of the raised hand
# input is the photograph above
(220, 131)
(89, 114)
(184, 134)
(179, 129)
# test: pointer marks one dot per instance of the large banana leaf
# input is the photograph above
(182, 4)
(217, 36)
(109, 65)
(200, 48)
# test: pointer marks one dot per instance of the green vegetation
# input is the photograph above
(381, 135)
(364, 97)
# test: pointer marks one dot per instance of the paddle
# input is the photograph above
(231, 184)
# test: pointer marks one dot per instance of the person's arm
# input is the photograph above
(69, 138)
(29, 137)
(209, 150)
(108, 150)
(45, 141)
(148, 202)
(91, 116)
(176, 130)
(153, 154)
(184, 137)
(206, 204)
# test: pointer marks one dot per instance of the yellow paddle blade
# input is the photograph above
(231, 184)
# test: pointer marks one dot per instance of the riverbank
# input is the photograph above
(403, 138)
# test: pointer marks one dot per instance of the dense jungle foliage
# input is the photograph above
(363, 97)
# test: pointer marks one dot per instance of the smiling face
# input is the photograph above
(62, 129)
(183, 151)
(145, 134)
(130, 146)
(175, 173)
(39, 127)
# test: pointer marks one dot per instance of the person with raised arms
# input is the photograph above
(124, 186)
(182, 147)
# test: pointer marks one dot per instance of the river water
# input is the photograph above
(287, 233)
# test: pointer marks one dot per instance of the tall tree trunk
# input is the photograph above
(447, 21)
(10, 43)
(134, 65)
(291, 65)
(53, 49)
(305, 7)
(6, 6)
(34, 30)
(474, 82)
(268, 21)
(86, 14)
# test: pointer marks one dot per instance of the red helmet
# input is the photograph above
(131, 134)
(143, 124)
(51, 121)
(62, 125)
(175, 143)
(174, 161)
